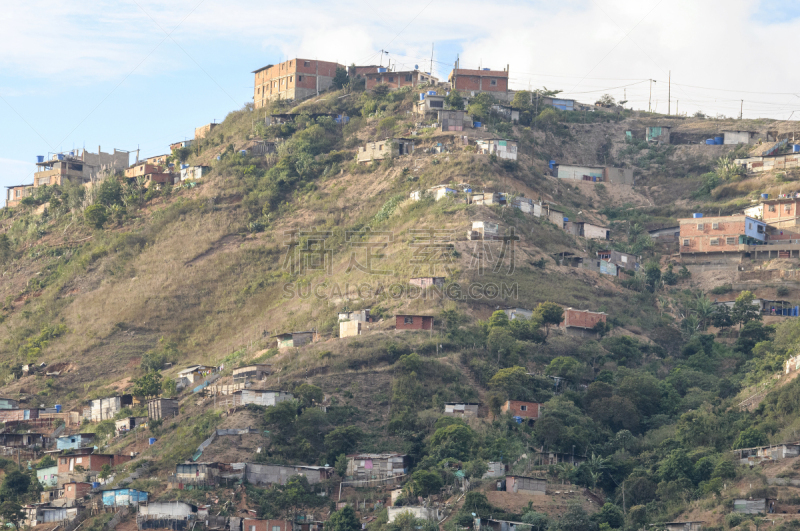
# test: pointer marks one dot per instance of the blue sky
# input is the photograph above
(145, 73)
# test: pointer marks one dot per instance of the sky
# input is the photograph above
(144, 73)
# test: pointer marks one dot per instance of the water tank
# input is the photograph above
(152, 440)
(381, 70)
(421, 96)
(39, 158)
(697, 215)
(242, 152)
(431, 93)
(719, 140)
(764, 196)
(709, 141)
(476, 124)
(58, 408)
(487, 69)
(60, 156)
(566, 219)
(552, 164)
(95, 484)
(795, 148)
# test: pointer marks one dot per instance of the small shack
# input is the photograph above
(163, 408)
(252, 373)
(484, 230)
(427, 282)
(294, 339)
(746, 506)
(389, 148)
(74, 442)
(377, 466)
(469, 409)
(526, 485)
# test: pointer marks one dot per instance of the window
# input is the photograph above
(306, 63)
(624, 259)
(772, 208)
(79, 460)
(686, 243)
(730, 241)
(276, 528)
(749, 225)
(715, 226)
(714, 241)
(391, 79)
(291, 79)
(437, 104)
(252, 528)
(787, 208)
(19, 193)
(523, 408)
(701, 226)
(493, 82)
(761, 229)
(408, 320)
(299, 79)
(408, 77)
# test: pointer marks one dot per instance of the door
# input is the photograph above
(71, 464)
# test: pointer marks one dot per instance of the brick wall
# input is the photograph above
(251, 524)
(394, 80)
(582, 319)
(419, 322)
(703, 237)
(787, 210)
(531, 410)
(480, 80)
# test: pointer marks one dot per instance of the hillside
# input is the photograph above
(210, 271)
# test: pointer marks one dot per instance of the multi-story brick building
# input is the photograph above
(79, 167)
(471, 82)
(782, 212)
(396, 80)
(295, 79)
(17, 193)
(720, 234)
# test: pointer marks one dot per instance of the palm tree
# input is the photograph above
(704, 309)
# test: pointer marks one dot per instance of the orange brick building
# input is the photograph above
(76, 490)
(295, 79)
(89, 462)
(471, 82)
(720, 234)
(528, 410)
(582, 319)
(396, 80)
(413, 322)
(782, 213)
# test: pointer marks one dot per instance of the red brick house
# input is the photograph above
(295, 79)
(90, 462)
(251, 524)
(413, 322)
(517, 408)
(471, 82)
(720, 234)
(396, 80)
(359, 71)
(76, 490)
(581, 321)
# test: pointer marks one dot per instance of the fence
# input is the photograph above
(155, 521)
(111, 524)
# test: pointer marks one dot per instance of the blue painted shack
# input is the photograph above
(74, 442)
(123, 497)
(48, 477)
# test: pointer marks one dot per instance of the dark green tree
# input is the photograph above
(96, 215)
(344, 519)
(425, 483)
(341, 78)
(11, 511)
(148, 385)
(454, 100)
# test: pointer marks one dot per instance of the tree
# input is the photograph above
(652, 273)
(454, 100)
(15, 485)
(480, 105)
(344, 519)
(96, 216)
(309, 394)
(676, 466)
(752, 333)
(11, 511)
(750, 438)
(342, 440)
(549, 313)
(425, 483)
(575, 519)
(341, 78)
(704, 309)
(5, 248)
(537, 521)
(105, 471)
(341, 465)
(612, 515)
(501, 343)
(169, 388)
(46, 462)
(453, 441)
(565, 367)
(148, 385)
(744, 310)
(722, 317)
(498, 319)
(607, 100)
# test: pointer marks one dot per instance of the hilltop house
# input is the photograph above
(196, 373)
(252, 373)
(180, 145)
(294, 339)
(48, 477)
(162, 408)
(472, 82)
(518, 408)
(427, 282)
(251, 524)
(73, 442)
(128, 423)
(395, 80)
(526, 485)
(203, 130)
(391, 147)
(739, 137)
(89, 462)
(720, 234)
(609, 262)
(484, 230)
(581, 322)
(454, 120)
(413, 322)
(596, 174)
(295, 79)
(377, 466)
(514, 313)
(107, 408)
(194, 172)
(469, 409)
(657, 134)
(429, 103)
(502, 148)
(587, 230)
(123, 497)
(666, 233)
(280, 474)
(78, 167)
(260, 397)
(360, 315)
(16, 193)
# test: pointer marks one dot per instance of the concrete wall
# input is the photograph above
(737, 137)
(578, 173)
(295, 79)
(174, 509)
(203, 130)
(280, 474)
(465, 410)
(349, 328)
(594, 232)
(425, 513)
(526, 485)
(620, 175)
(264, 398)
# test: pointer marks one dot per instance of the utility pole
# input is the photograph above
(741, 110)
(650, 98)
(431, 70)
(677, 112)
(669, 94)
